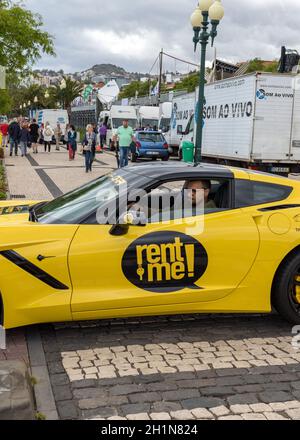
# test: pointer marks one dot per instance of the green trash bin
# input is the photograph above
(188, 149)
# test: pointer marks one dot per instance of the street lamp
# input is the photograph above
(213, 10)
(47, 95)
(35, 100)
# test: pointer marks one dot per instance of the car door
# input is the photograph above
(161, 265)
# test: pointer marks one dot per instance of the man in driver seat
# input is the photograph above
(199, 190)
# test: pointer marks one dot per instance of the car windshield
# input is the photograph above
(117, 122)
(150, 137)
(76, 205)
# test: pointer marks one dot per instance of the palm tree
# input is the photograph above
(66, 95)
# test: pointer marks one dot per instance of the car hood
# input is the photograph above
(15, 211)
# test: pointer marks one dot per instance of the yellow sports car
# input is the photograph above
(153, 239)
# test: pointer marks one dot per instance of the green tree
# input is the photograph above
(66, 95)
(189, 83)
(143, 89)
(257, 65)
(22, 39)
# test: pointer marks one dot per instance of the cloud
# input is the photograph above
(130, 34)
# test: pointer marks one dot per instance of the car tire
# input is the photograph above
(285, 289)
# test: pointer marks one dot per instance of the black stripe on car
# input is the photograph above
(33, 270)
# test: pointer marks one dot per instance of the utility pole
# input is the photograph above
(160, 74)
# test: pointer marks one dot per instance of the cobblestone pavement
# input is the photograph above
(182, 368)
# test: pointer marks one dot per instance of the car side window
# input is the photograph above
(251, 193)
(178, 199)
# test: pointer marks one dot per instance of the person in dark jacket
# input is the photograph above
(14, 132)
(72, 142)
(89, 147)
(34, 135)
(24, 139)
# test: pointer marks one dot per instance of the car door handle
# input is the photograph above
(42, 257)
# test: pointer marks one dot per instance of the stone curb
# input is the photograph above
(45, 403)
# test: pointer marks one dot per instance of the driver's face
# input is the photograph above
(125, 124)
(197, 193)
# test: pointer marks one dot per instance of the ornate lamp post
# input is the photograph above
(213, 11)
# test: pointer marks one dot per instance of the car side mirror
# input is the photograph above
(130, 218)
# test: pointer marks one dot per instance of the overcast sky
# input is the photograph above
(131, 33)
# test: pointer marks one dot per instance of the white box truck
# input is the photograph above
(54, 117)
(252, 121)
(114, 119)
(148, 117)
(183, 107)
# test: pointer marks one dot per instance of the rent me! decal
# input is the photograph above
(165, 262)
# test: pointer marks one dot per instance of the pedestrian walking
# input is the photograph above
(14, 132)
(57, 134)
(125, 136)
(24, 138)
(48, 134)
(89, 147)
(4, 131)
(72, 142)
(34, 135)
(103, 136)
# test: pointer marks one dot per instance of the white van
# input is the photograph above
(114, 118)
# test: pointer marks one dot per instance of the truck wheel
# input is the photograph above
(286, 290)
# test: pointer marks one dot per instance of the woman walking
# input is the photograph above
(89, 147)
(72, 142)
(48, 134)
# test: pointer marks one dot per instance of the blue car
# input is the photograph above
(150, 144)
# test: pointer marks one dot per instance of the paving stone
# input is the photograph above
(202, 413)
(243, 399)
(67, 410)
(144, 397)
(261, 408)
(136, 408)
(160, 416)
(182, 415)
(220, 411)
(202, 402)
(180, 394)
(294, 414)
(274, 396)
(274, 416)
(253, 416)
(231, 418)
(240, 409)
(62, 392)
(166, 406)
(142, 416)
